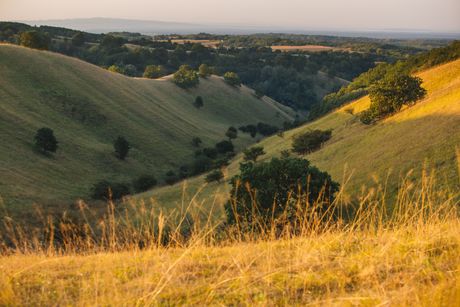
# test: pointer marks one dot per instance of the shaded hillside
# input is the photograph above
(88, 107)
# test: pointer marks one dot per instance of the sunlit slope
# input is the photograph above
(424, 134)
(88, 107)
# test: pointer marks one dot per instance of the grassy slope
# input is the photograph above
(427, 132)
(156, 117)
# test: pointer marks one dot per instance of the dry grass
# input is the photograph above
(406, 256)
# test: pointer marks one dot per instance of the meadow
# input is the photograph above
(373, 257)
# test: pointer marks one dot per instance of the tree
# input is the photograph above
(251, 154)
(210, 152)
(251, 129)
(45, 140)
(268, 190)
(196, 142)
(105, 190)
(153, 71)
(144, 183)
(130, 70)
(186, 77)
(310, 141)
(231, 133)
(121, 147)
(390, 94)
(204, 71)
(198, 102)
(224, 147)
(35, 39)
(78, 39)
(215, 175)
(232, 78)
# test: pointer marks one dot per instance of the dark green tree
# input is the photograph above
(389, 95)
(198, 103)
(310, 141)
(251, 154)
(231, 133)
(215, 175)
(267, 190)
(45, 140)
(105, 190)
(224, 147)
(35, 39)
(122, 147)
(144, 183)
(78, 39)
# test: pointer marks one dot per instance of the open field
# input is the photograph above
(410, 257)
(88, 107)
(307, 48)
(205, 42)
(423, 135)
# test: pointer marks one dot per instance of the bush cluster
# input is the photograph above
(310, 141)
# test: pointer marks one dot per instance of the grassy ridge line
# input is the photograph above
(425, 133)
(156, 117)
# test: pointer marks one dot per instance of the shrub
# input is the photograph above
(130, 70)
(186, 77)
(45, 140)
(201, 165)
(144, 183)
(310, 141)
(224, 147)
(153, 71)
(215, 175)
(198, 103)
(268, 190)
(121, 147)
(251, 154)
(232, 78)
(105, 190)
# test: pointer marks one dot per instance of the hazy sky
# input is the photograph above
(433, 15)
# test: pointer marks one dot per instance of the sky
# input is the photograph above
(425, 15)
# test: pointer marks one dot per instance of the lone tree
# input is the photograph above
(204, 71)
(267, 191)
(198, 103)
(389, 95)
(231, 133)
(215, 175)
(310, 141)
(45, 140)
(232, 78)
(251, 154)
(121, 147)
(186, 77)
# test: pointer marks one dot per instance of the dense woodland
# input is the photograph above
(298, 80)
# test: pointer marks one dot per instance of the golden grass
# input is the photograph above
(407, 256)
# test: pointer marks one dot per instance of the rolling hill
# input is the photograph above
(88, 107)
(423, 136)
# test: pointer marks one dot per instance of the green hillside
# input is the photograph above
(424, 134)
(88, 107)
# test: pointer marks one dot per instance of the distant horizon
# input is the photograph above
(433, 16)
